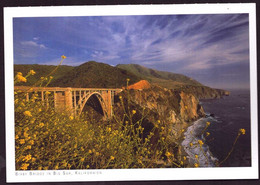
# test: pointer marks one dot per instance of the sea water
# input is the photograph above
(226, 116)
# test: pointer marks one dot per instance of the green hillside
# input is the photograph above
(41, 71)
(99, 75)
(162, 78)
(94, 74)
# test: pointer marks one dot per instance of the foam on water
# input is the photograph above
(192, 135)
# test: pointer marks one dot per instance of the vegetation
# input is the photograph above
(42, 71)
(46, 140)
(162, 78)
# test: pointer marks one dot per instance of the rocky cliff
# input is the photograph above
(204, 92)
(173, 108)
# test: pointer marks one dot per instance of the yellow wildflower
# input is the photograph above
(27, 158)
(128, 79)
(82, 159)
(200, 142)
(63, 57)
(196, 156)
(24, 166)
(242, 131)
(207, 133)
(133, 111)
(191, 144)
(16, 137)
(51, 77)
(31, 142)
(184, 158)
(19, 73)
(56, 167)
(208, 123)
(25, 134)
(182, 130)
(196, 165)
(47, 92)
(32, 72)
(112, 157)
(27, 113)
(22, 141)
(71, 117)
(120, 97)
(33, 159)
(20, 78)
(41, 124)
(87, 166)
(168, 154)
(159, 121)
(39, 168)
(181, 162)
(29, 147)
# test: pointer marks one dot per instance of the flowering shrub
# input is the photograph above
(46, 140)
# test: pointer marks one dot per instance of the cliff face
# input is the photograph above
(190, 108)
(204, 92)
(174, 109)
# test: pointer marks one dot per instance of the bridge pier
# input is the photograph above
(108, 106)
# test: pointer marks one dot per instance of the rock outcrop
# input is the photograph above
(204, 92)
(143, 84)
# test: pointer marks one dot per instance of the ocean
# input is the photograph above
(226, 116)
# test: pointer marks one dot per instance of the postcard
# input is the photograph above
(131, 92)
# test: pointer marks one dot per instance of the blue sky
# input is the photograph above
(213, 49)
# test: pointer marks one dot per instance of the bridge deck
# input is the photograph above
(29, 89)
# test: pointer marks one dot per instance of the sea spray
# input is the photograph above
(197, 153)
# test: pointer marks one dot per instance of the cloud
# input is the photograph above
(70, 61)
(33, 44)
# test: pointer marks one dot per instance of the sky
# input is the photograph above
(213, 49)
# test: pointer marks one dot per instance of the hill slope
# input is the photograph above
(94, 74)
(41, 71)
(174, 81)
(162, 78)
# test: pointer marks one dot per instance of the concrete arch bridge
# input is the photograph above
(73, 100)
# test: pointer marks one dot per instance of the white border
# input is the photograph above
(127, 174)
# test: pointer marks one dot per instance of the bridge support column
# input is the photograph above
(68, 100)
(108, 103)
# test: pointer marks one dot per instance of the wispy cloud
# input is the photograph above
(33, 44)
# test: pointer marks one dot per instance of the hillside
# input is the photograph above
(41, 71)
(94, 74)
(174, 81)
(99, 75)
(162, 78)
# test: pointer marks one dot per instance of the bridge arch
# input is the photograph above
(96, 96)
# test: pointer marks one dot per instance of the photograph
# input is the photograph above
(95, 94)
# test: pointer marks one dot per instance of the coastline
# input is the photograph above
(196, 153)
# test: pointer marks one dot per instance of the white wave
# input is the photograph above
(192, 135)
